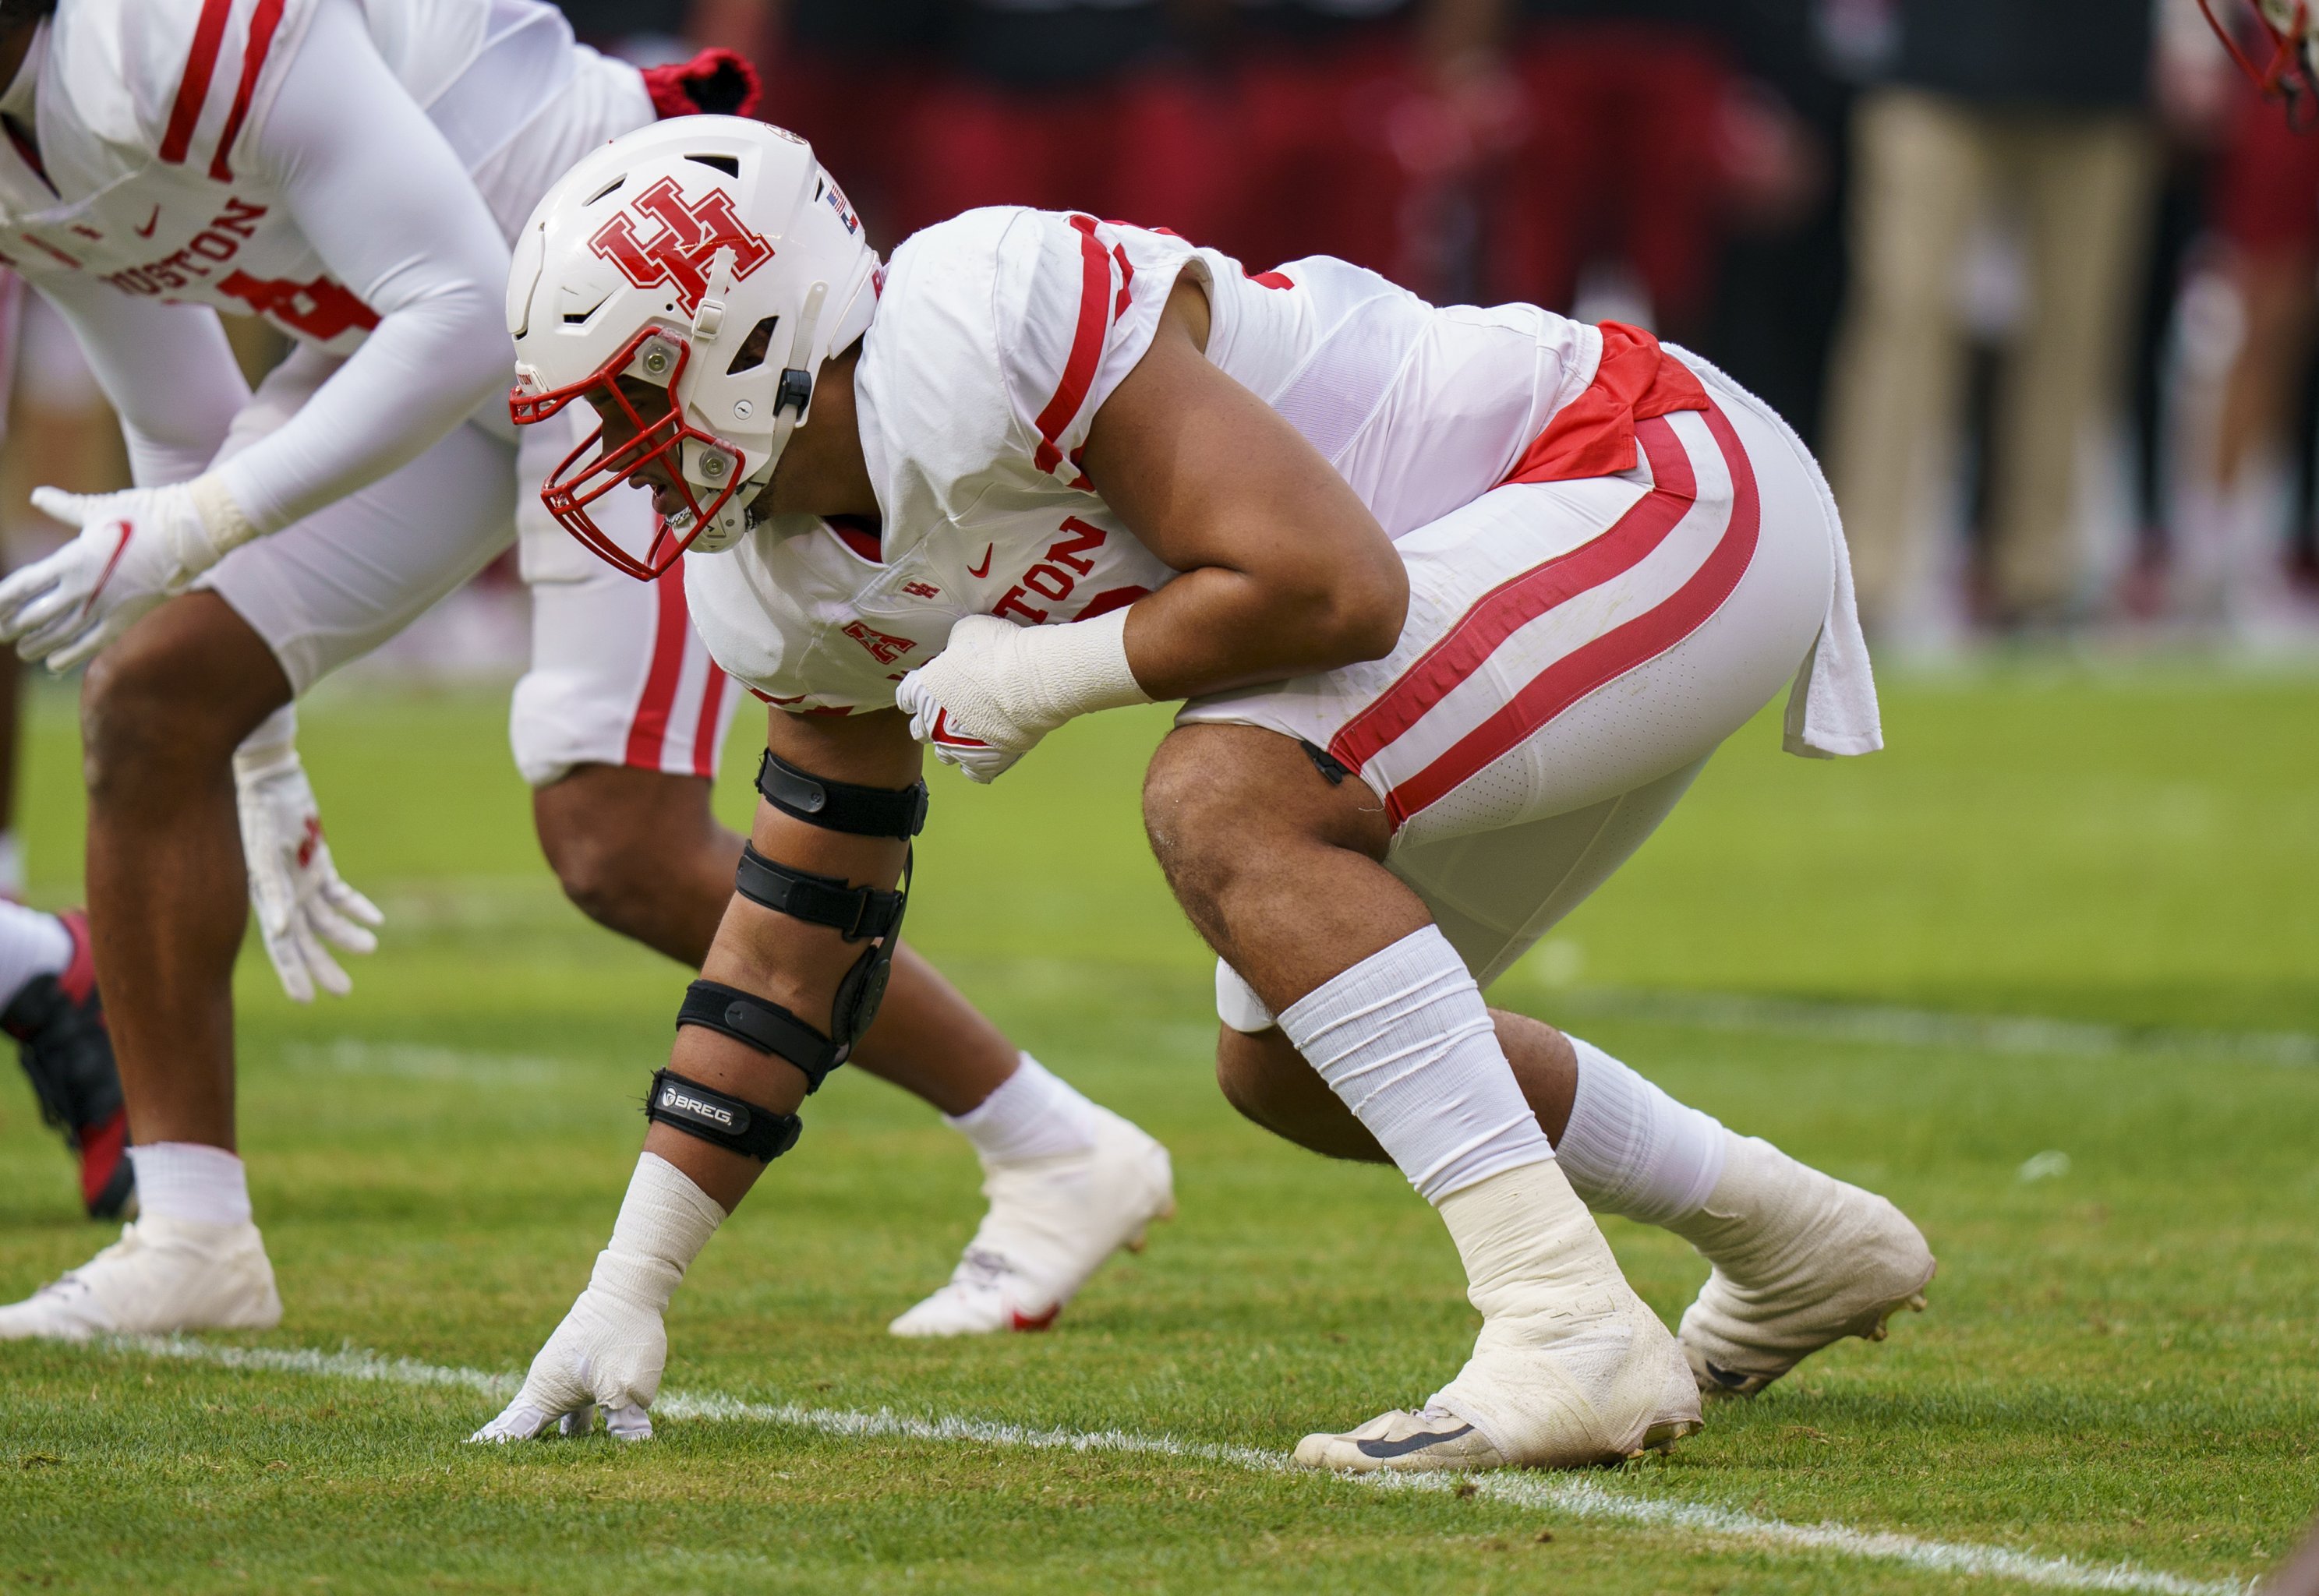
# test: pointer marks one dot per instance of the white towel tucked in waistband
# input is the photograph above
(1832, 707)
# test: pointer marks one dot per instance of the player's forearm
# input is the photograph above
(386, 204)
(425, 368)
(1214, 629)
(168, 370)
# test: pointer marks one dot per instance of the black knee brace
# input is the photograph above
(841, 806)
(723, 1121)
(858, 913)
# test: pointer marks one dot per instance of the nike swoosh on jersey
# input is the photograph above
(151, 222)
(983, 570)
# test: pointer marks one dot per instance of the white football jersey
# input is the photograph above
(999, 335)
(142, 104)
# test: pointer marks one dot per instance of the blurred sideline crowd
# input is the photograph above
(2038, 279)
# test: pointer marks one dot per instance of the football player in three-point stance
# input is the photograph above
(353, 173)
(1460, 601)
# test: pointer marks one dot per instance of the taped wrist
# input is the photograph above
(224, 526)
(841, 806)
(720, 1121)
(1024, 681)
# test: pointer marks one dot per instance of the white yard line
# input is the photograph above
(1879, 1027)
(1574, 1496)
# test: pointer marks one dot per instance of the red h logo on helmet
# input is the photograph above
(689, 237)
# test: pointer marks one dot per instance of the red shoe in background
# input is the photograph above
(61, 1040)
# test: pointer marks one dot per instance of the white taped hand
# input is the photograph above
(304, 908)
(135, 548)
(607, 1353)
(996, 688)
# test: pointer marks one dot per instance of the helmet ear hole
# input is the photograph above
(754, 348)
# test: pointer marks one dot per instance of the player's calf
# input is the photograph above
(639, 853)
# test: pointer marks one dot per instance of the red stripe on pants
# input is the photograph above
(649, 730)
(1513, 604)
(704, 738)
(1611, 655)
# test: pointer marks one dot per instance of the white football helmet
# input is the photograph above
(710, 256)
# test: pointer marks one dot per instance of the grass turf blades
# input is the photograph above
(2118, 1367)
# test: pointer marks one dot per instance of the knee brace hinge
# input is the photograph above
(723, 1121)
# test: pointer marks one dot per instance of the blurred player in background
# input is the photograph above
(2231, 554)
(351, 173)
(50, 412)
(1462, 599)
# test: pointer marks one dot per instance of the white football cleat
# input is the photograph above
(1571, 1369)
(163, 1275)
(1801, 1260)
(1051, 1223)
(608, 1354)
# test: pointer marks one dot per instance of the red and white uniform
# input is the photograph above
(351, 172)
(1616, 555)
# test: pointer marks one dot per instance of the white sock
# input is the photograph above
(665, 1220)
(1405, 1040)
(1630, 1149)
(1031, 1114)
(31, 944)
(191, 1181)
(12, 866)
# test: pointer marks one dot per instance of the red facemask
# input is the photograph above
(2278, 70)
(657, 355)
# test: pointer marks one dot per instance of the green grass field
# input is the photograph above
(2120, 1365)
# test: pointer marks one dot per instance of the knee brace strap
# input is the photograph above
(859, 913)
(841, 806)
(720, 1121)
(767, 1027)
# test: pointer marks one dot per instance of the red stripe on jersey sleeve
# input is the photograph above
(194, 87)
(1086, 345)
(262, 23)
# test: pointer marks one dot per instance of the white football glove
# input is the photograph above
(136, 547)
(996, 688)
(611, 1348)
(304, 907)
(607, 1353)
